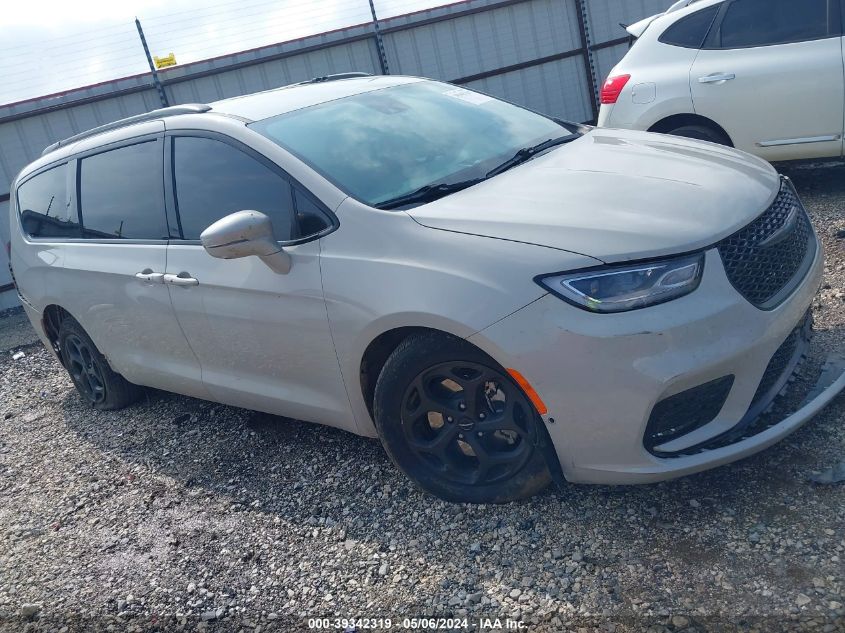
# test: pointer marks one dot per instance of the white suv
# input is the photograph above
(502, 298)
(764, 76)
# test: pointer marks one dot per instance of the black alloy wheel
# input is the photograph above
(84, 371)
(470, 423)
(99, 385)
(457, 424)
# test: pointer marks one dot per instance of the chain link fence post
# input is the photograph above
(156, 81)
(587, 47)
(382, 55)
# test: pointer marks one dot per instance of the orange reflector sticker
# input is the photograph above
(529, 391)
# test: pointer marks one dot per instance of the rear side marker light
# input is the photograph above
(529, 391)
(612, 88)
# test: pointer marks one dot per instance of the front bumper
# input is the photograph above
(601, 375)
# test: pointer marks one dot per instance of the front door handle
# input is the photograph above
(712, 79)
(149, 276)
(182, 279)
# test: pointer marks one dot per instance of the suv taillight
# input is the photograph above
(612, 88)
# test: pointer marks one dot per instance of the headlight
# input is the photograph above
(623, 288)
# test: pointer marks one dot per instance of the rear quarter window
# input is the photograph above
(44, 205)
(753, 23)
(690, 31)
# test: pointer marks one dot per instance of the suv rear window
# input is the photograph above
(690, 31)
(44, 205)
(749, 23)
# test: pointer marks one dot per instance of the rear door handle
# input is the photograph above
(182, 279)
(149, 276)
(711, 79)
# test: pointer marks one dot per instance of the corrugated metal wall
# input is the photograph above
(531, 52)
(476, 49)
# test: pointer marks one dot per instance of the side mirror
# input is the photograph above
(243, 234)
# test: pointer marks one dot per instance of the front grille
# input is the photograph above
(685, 412)
(764, 259)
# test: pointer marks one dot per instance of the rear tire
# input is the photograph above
(457, 425)
(701, 133)
(94, 379)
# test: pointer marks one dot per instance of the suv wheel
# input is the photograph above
(95, 381)
(456, 423)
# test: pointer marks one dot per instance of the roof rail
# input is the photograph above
(161, 113)
(335, 77)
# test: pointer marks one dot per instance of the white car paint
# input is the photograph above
(779, 102)
(465, 265)
(561, 199)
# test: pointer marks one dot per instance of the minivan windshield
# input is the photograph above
(424, 137)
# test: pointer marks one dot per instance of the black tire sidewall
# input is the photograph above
(699, 133)
(118, 391)
(412, 356)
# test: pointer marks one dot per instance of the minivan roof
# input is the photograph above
(262, 105)
(252, 107)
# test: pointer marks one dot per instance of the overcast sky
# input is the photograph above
(53, 45)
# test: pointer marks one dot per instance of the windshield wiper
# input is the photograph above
(428, 193)
(435, 191)
(526, 153)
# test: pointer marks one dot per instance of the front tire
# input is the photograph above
(94, 379)
(457, 425)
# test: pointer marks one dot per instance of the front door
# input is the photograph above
(262, 338)
(771, 74)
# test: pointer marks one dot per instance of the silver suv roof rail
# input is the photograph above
(335, 77)
(161, 113)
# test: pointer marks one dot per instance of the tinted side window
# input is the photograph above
(310, 218)
(44, 208)
(122, 194)
(690, 31)
(767, 22)
(213, 179)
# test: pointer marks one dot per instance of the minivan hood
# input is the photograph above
(615, 195)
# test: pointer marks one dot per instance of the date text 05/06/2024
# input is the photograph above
(356, 625)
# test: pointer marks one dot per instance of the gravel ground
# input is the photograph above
(178, 514)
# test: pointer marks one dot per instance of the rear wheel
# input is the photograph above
(456, 423)
(702, 133)
(95, 381)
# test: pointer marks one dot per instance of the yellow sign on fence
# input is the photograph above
(164, 62)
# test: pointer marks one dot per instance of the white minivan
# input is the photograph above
(502, 298)
(764, 76)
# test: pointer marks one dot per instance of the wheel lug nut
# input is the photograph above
(462, 406)
(480, 434)
(481, 416)
(449, 418)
